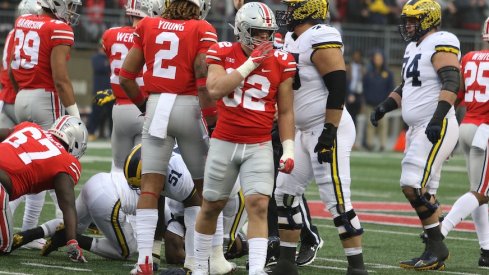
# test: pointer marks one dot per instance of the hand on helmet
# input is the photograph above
(75, 253)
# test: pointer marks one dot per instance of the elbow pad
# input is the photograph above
(336, 83)
(450, 78)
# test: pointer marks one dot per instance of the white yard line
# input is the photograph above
(14, 273)
(58, 266)
(402, 233)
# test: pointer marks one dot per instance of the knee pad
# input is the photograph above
(348, 225)
(423, 200)
(289, 213)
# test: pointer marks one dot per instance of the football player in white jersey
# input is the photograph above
(325, 133)
(430, 82)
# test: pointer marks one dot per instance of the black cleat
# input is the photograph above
(307, 253)
(284, 267)
(273, 251)
(409, 264)
(356, 271)
(484, 258)
(18, 241)
(57, 240)
(237, 251)
(176, 271)
(434, 257)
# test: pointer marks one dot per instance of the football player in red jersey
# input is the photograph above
(34, 160)
(7, 94)
(39, 74)
(117, 42)
(251, 81)
(474, 138)
(173, 48)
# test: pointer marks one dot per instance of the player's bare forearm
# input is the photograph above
(220, 83)
(64, 187)
(396, 97)
(61, 79)
(448, 96)
(333, 116)
(130, 87)
(285, 105)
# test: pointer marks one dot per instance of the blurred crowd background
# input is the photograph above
(373, 51)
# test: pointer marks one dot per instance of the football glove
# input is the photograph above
(75, 253)
(286, 163)
(433, 131)
(103, 97)
(377, 115)
(260, 53)
(326, 142)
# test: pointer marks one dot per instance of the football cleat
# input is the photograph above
(284, 267)
(18, 241)
(143, 269)
(409, 264)
(57, 240)
(484, 258)
(273, 251)
(237, 251)
(93, 229)
(35, 244)
(176, 271)
(307, 253)
(356, 271)
(218, 264)
(434, 257)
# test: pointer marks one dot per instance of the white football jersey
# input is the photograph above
(422, 86)
(310, 93)
(129, 197)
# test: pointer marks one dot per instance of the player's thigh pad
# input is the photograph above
(187, 126)
(221, 171)
(422, 162)
(155, 152)
(126, 131)
(256, 173)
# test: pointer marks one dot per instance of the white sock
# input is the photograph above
(258, 254)
(219, 234)
(14, 204)
(481, 221)
(460, 210)
(146, 220)
(32, 211)
(49, 227)
(202, 252)
(190, 217)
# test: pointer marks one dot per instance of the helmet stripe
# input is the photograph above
(61, 122)
(268, 18)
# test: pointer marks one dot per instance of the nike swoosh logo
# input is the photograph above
(265, 71)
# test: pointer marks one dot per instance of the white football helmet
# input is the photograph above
(485, 30)
(64, 10)
(72, 132)
(28, 7)
(253, 15)
(143, 8)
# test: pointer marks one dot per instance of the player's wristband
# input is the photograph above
(127, 74)
(72, 110)
(201, 82)
(246, 68)
(288, 149)
(210, 111)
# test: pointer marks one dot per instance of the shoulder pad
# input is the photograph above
(323, 36)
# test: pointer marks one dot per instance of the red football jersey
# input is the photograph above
(7, 94)
(34, 38)
(32, 158)
(117, 42)
(475, 69)
(246, 115)
(170, 48)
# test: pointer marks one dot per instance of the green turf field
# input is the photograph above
(375, 178)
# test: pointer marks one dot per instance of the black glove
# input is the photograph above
(326, 143)
(142, 107)
(433, 131)
(377, 115)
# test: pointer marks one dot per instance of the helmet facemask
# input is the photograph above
(299, 12)
(72, 16)
(414, 35)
